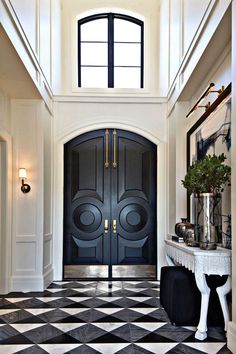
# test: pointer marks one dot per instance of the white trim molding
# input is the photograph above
(231, 337)
(6, 241)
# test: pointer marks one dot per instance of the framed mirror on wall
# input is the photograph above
(211, 134)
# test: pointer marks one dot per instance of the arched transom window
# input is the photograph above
(110, 51)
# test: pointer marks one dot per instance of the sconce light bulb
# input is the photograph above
(22, 173)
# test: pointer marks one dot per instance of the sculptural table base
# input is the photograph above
(201, 263)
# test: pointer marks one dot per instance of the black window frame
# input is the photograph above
(110, 17)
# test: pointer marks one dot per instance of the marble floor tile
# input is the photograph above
(90, 317)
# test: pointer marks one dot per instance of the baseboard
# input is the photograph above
(231, 337)
(48, 277)
(27, 283)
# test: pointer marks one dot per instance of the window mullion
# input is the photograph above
(79, 54)
(110, 50)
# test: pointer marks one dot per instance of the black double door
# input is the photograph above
(110, 206)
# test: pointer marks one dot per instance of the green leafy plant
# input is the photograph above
(209, 175)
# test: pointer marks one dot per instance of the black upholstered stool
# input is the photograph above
(181, 298)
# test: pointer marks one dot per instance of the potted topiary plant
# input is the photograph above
(206, 180)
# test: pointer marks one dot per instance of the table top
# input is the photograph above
(197, 260)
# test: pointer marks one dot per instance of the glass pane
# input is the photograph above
(127, 77)
(126, 31)
(127, 54)
(95, 30)
(94, 77)
(94, 54)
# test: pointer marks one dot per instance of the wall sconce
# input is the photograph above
(25, 188)
(205, 93)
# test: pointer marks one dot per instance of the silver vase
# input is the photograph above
(208, 220)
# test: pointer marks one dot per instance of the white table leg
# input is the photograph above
(170, 261)
(201, 333)
(222, 291)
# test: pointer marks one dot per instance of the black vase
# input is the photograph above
(181, 227)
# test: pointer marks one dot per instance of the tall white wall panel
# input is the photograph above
(193, 12)
(45, 37)
(175, 33)
(27, 228)
(26, 11)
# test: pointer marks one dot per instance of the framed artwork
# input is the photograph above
(211, 134)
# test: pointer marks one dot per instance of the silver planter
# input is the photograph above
(208, 220)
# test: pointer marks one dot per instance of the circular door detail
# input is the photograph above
(133, 218)
(87, 217)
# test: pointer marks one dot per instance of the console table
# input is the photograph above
(202, 262)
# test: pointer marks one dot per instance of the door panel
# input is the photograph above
(134, 206)
(123, 192)
(86, 202)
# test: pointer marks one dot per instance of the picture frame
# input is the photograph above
(211, 134)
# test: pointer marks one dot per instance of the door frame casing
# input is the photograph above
(6, 199)
(59, 193)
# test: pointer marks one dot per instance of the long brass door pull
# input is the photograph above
(106, 226)
(114, 149)
(114, 226)
(107, 147)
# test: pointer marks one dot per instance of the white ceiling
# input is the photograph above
(14, 78)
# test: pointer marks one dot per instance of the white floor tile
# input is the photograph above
(13, 348)
(109, 310)
(144, 310)
(24, 327)
(14, 300)
(209, 348)
(58, 348)
(150, 326)
(37, 312)
(157, 348)
(108, 326)
(66, 327)
(108, 299)
(73, 311)
(48, 299)
(108, 348)
(140, 299)
(78, 299)
(6, 311)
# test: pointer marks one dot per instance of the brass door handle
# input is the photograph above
(114, 149)
(114, 226)
(106, 226)
(106, 151)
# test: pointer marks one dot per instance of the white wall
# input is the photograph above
(33, 27)
(32, 212)
(178, 127)
(149, 12)
(192, 25)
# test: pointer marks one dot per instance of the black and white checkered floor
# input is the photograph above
(97, 317)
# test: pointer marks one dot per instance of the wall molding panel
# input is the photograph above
(189, 58)
(6, 211)
(28, 50)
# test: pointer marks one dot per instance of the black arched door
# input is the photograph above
(110, 206)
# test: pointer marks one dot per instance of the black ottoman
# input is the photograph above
(181, 299)
(180, 296)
